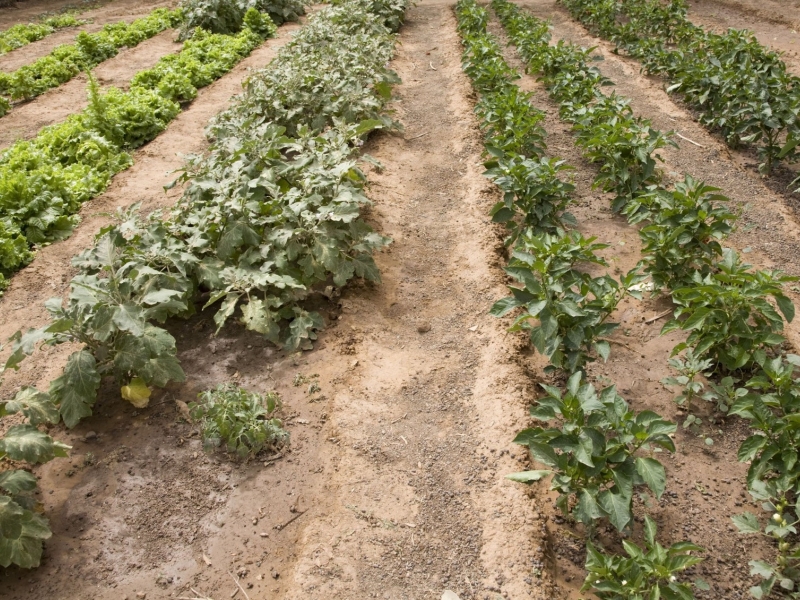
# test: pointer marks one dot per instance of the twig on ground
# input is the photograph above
(683, 137)
(400, 419)
(657, 317)
(197, 596)
(290, 521)
(236, 579)
(432, 67)
(417, 136)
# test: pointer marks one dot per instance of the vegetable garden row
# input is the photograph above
(271, 210)
(44, 181)
(598, 450)
(23, 34)
(738, 87)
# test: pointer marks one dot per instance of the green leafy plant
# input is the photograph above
(89, 50)
(592, 456)
(685, 230)
(782, 575)
(728, 315)
(241, 421)
(23, 34)
(646, 573)
(22, 529)
(571, 306)
(688, 367)
(771, 407)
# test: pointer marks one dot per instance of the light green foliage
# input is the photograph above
(44, 181)
(241, 421)
(646, 573)
(593, 454)
(727, 314)
(23, 34)
(89, 50)
(204, 58)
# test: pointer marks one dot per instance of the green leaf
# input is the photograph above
(746, 523)
(761, 568)
(504, 306)
(237, 235)
(25, 442)
(603, 350)
(21, 535)
(653, 474)
(17, 481)
(617, 507)
(37, 406)
(76, 390)
(528, 476)
(786, 306)
(129, 317)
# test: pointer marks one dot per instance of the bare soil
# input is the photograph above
(403, 414)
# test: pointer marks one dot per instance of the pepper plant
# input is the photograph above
(593, 454)
(728, 315)
(646, 573)
(571, 306)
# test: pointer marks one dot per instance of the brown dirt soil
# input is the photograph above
(402, 416)
(786, 12)
(111, 12)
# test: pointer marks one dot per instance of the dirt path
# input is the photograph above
(26, 120)
(118, 10)
(398, 459)
(779, 34)
(784, 12)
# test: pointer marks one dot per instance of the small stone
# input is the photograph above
(90, 435)
(424, 328)
(274, 574)
(141, 595)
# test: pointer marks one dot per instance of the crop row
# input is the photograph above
(23, 34)
(733, 315)
(44, 181)
(597, 454)
(88, 51)
(737, 86)
(268, 216)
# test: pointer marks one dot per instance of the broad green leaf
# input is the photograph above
(76, 390)
(786, 306)
(746, 523)
(17, 481)
(25, 442)
(617, 507)
(761, 568)
(37, 406)
(21, 535)
(129, 317)
(653, 474)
